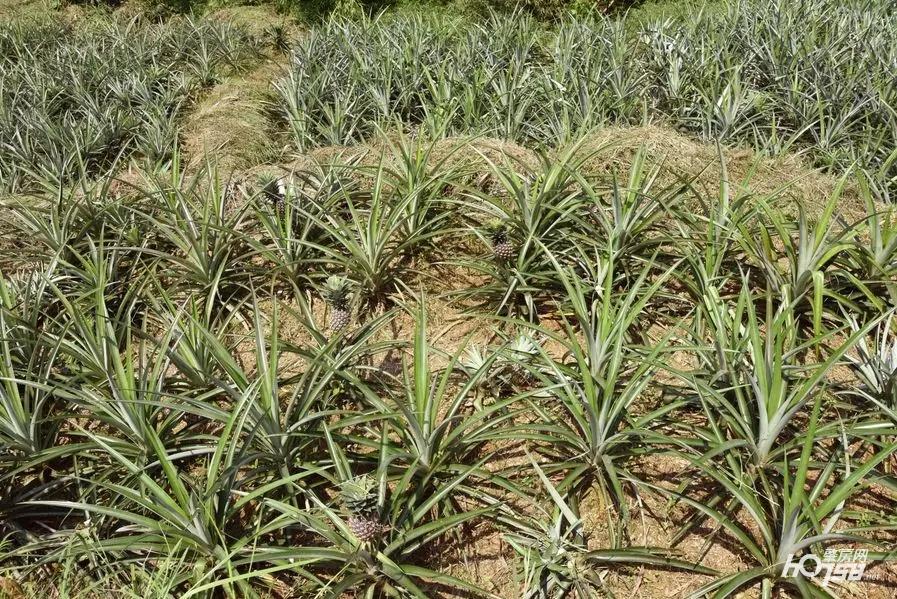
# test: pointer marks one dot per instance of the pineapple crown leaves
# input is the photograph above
(497, 226)
(474, 358)
(267, 182)
(359, 486)
(360, 494)
(498, 231)
(523, 347)
(336, 290)
(273, 187)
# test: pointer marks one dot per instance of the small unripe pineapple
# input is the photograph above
(359, 495)
(275, 191)
(365, 529)
(337, 297)
(502, 247)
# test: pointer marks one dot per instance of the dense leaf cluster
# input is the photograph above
(75, 96)
(815, 76)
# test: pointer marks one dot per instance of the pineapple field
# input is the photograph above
(448, 301)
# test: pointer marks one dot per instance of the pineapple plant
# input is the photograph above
(360, 497)
(502, 247)
(337, 297)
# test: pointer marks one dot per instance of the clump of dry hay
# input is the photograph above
(255, 20)
(231, 123)
(683, 158)
(468, 155)
(471, 154)
(612, 150)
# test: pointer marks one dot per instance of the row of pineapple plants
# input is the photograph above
(74, 96)
(814, 76)
(207, 388)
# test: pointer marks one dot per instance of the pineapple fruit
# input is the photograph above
(502, 247)
(359, 495)
(274, 190)
(337, 297)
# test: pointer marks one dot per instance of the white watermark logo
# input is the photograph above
(835, 565)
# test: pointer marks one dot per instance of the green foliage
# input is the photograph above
(73, 99)
(169, 397)
(721, 74)
(555, 10)
(177, 421)
(546, 10)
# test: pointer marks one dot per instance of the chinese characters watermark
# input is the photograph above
(835, 565)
